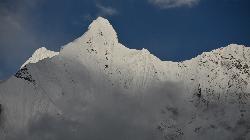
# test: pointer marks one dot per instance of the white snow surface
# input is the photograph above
(40, 54)
(96, 62)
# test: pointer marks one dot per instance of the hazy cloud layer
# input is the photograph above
(160, 112)
(112, 114)
(165, 4)
(106, 10)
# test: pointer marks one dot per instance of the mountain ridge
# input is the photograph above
(102, 53)
(103, 27)
(60, 84)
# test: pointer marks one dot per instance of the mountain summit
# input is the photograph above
(40, 54)
(211, 91)
(102, 27)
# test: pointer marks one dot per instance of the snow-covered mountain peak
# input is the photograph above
(40, 54)
(96, 65)
(100, 37)
(145, 51)
(100, 22)
(103, 28)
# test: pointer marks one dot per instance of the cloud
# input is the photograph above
(112, 115)
(106, 10)
(159, 112)
(166, 4)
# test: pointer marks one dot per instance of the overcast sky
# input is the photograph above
(170, 29)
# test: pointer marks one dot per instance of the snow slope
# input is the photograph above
(40, 54)
(96, 62)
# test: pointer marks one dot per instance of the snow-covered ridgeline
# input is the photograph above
(46, 85)
(40, 54)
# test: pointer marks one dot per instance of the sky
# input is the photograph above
(173, 30)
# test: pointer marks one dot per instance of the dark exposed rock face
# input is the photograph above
(23, 73)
